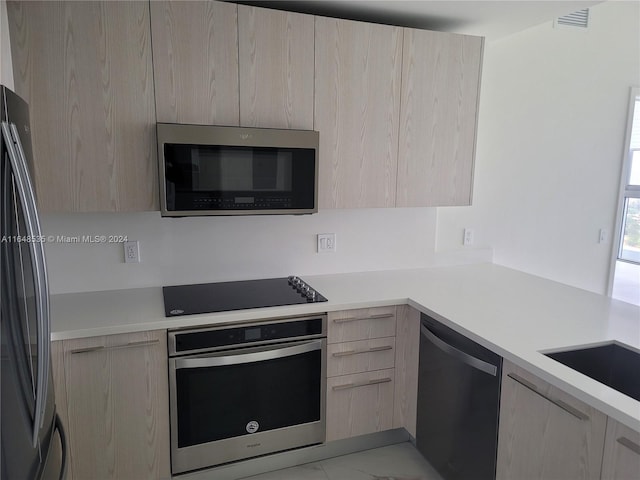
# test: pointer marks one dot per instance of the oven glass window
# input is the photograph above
(213, 404)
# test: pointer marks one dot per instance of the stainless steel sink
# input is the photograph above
(613, 364)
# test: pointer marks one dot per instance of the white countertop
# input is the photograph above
(512, 313)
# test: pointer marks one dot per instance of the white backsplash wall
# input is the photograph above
(210, 249)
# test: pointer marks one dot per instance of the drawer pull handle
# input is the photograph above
(347, 386)
(634, 447)
(87, 350)
(559, 403)
(142, 343)
(371, 317)
(348, 353)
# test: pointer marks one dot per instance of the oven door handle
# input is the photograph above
(256, 355)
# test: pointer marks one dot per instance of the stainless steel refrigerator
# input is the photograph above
(32, 441)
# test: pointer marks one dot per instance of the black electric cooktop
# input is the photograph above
(227, 296)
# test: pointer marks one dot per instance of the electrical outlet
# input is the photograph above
(131, 252)
(326, 242)
(467, 239)
(604, 236)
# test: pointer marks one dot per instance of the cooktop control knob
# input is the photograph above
(305, 291)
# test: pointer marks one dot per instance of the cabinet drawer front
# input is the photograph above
(360, 356)
(362, 324)
(359, 404)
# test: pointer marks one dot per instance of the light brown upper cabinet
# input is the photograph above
(357, 102)
(195, 62)
(396, 108)
(85, 69)
(438, 116)
(276, 68)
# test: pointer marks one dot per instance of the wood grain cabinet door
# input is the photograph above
(438, 117)
(276, 68)
(357, 96)
(118, 406)
(544, 433)
(195, 62)
(621, 452)
(85, 70)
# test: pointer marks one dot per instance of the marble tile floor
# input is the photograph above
(394, 462)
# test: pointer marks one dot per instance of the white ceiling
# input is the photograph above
(493, 19)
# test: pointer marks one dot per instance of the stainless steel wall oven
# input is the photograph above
(240, 391)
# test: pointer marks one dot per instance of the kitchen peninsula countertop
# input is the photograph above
(515, 314)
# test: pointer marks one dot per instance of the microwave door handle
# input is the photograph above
(267, 353)
(459, 354)
(32, 225)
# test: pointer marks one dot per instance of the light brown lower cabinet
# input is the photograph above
(361, 324)
(359, 404)
(117, 408)
(360, 371)
(360, 356)
(545, 433)
(405, 402)
(621, 453)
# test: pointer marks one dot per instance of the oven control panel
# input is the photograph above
(183, 342)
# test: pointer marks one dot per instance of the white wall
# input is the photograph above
(209, 249)
(6, 69)
(553, 109)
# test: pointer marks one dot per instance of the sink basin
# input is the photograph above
(615, 365)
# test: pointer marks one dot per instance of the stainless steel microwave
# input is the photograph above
(214, 170)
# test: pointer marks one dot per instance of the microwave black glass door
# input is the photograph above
(213, 405)
(209, 177)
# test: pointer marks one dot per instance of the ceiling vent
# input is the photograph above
(578, 19)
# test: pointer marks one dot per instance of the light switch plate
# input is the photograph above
(326, 242)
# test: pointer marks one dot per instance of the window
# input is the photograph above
(626, 278)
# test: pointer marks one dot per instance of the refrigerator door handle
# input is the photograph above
(32, 224)
(65, 450)
(459, 354)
